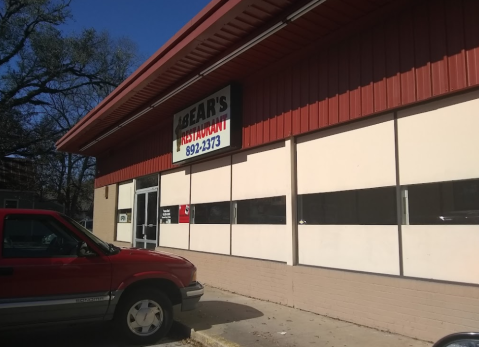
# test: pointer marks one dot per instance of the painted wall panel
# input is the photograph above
(371, 248)
(104, 212)
(268, 241)
(211, 181)
(408, 78)
(125, 195)
(124, 232)
(344, 56)
(175, 187)
(212, 238)
(261, 172)
(313, 93)
(440, 83)
(333, 78)
(471, 28)
(355, 156)
(438, 141)
(367, 97)
(266, 110)
(455, 45)
(174, 235)
(379, 72)
(441, 252)
(393, 77)
(422, 61)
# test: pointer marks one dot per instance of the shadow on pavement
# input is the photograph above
(81, 335)
(209, 313)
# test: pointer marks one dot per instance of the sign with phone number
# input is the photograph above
(204, 127)
(206, 145)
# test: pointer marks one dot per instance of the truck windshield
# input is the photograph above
(100, 243)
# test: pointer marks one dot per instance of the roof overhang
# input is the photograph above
(227, 41)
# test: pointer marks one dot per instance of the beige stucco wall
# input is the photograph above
(261, 172)
(175, 187)
(126, 196)
(211, 181)
(438, 141)
(354, 156)
(104, 213)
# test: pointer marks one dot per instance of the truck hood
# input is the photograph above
(149, 255)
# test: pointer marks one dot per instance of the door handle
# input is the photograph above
(6, 271)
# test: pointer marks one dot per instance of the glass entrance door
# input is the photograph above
(146, 221)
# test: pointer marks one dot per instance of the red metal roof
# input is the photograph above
(220, 28)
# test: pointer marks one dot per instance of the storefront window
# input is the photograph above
(376, 206)
(124, 215)
(169, 214)
(212, 213)
(454, 202)
(147, 181)
(262, 211)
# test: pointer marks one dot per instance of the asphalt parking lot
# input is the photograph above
(85, 335)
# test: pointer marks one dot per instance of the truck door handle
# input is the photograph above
(6, 271)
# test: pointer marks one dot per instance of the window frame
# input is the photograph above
(409, 214)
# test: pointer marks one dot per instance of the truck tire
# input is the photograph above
(144, 316)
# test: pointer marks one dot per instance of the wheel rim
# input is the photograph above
(145, 318)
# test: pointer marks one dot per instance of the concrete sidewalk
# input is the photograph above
(227, 319)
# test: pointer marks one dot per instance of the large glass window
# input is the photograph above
(124, 215)
(454, 202)
(147, 181)
(262, 211)
(169, 214)
(212, 213)
(376, 206)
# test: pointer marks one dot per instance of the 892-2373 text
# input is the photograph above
(206, 145)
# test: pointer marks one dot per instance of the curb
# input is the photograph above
(201, 337)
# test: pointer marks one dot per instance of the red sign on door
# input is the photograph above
(184, 214)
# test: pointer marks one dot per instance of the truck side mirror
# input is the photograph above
(84, 251)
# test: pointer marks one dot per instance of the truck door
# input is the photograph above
(50, 282)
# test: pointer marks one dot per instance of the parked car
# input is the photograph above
(53, 271)
(459, 340)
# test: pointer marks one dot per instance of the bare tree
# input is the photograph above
(48, 81)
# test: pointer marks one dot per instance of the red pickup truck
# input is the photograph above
(52, 271)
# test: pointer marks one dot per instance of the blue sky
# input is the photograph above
(150, 23)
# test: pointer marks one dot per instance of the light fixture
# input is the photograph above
(278, 26)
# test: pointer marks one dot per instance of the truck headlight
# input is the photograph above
(193, 277)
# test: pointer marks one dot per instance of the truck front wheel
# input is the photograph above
(144, 316)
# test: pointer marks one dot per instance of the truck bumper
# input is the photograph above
(190, 296)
